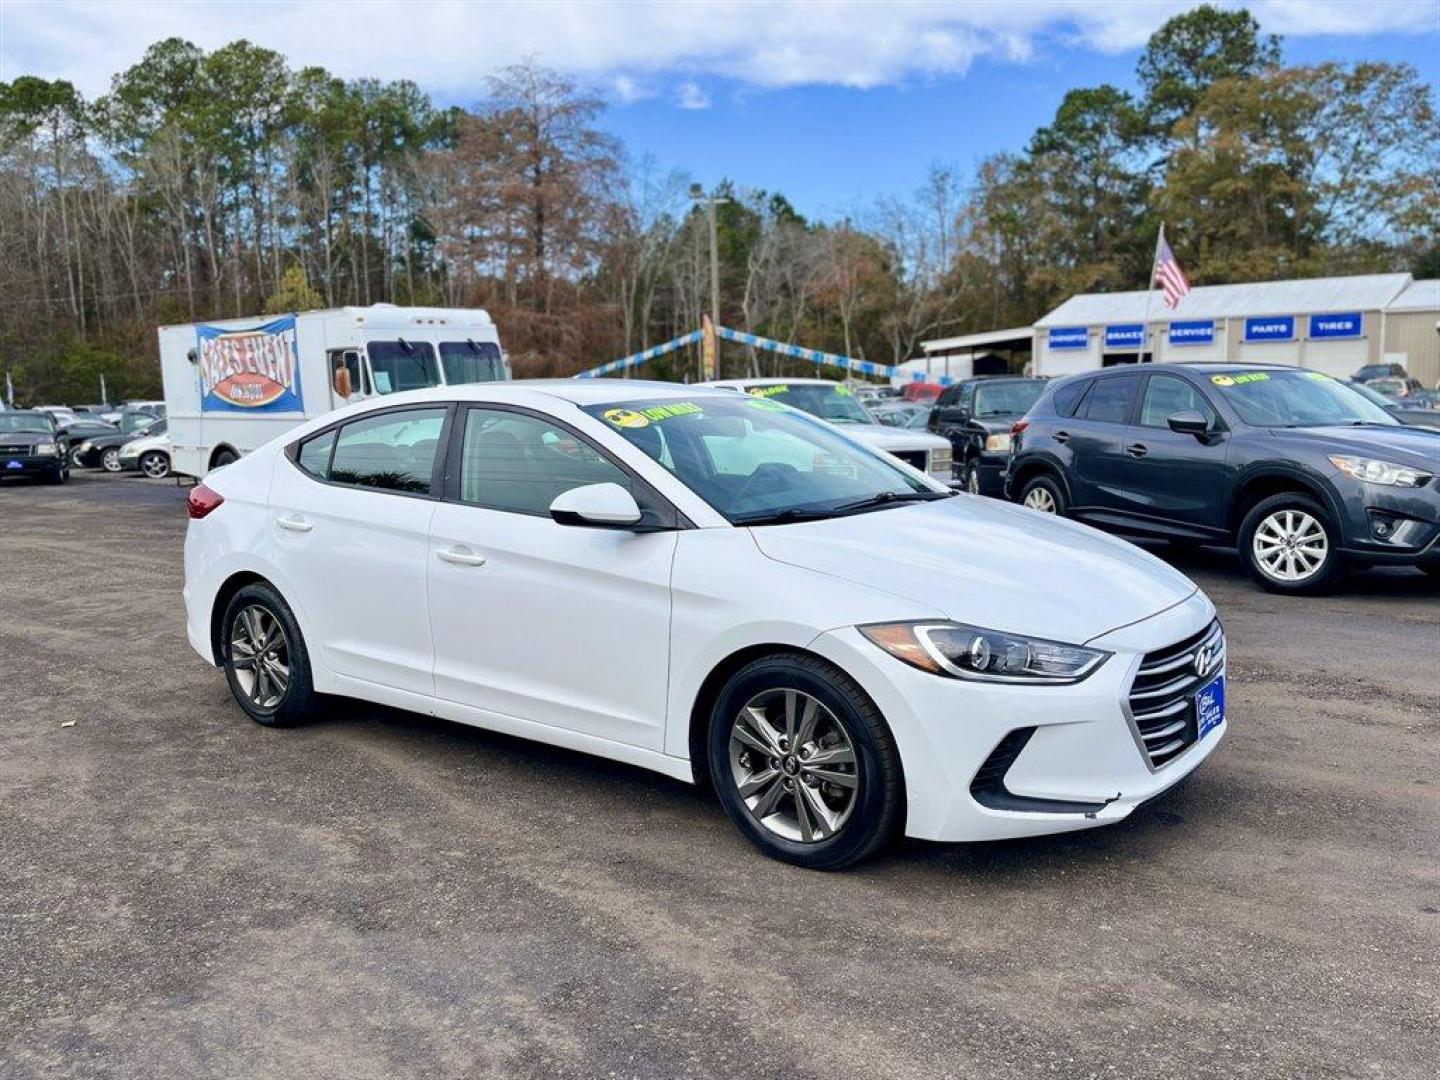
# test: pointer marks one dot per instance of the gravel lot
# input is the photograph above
(183, 893)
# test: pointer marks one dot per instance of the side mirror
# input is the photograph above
(1189, 422)
(605, 506)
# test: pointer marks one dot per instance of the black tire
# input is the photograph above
(298, 702)
(1048, 485)
(58, 476)
(1325, 575)
(223, 458)
(876, 810)
(158, 467)
(110, 460)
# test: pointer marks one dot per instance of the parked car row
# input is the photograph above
(35, 443)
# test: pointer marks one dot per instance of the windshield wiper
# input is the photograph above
(784, 517)
(888, 498)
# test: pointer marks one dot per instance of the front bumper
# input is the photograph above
(1411, 517)
(30, 465)
(1083, 762)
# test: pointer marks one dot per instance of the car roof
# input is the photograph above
(771, 382)
(577, 391)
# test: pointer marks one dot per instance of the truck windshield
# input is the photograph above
(471, 361)
(402, 365)
(26, 421)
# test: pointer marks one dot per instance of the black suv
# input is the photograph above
(32, 445)
(1296, 469)
(976, 416)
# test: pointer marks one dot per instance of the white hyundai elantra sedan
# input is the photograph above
(720, 588)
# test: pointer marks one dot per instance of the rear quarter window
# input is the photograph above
(1067, 397)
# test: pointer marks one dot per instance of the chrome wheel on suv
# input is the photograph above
(1290, 546)
(794, 765)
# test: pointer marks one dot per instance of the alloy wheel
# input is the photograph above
(260, 656)
(794, 765)
(155, 466)
(1039, 498)
(110, 460)
(1290, 546)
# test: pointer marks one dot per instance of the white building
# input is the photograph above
(1334, 325)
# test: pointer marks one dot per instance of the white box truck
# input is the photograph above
(234, 384)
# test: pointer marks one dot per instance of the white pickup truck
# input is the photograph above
(234, 384)
(836, 403)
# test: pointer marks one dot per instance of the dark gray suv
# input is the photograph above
(1297, 470)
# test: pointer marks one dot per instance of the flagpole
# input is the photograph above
(1150, 297)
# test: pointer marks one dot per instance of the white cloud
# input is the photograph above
(447, 46)
(692, 97)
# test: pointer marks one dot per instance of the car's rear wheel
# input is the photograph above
(265, 658)
(155, 464)
(804, 763)
(110, 459)
(1043, 493)
(1289, 544)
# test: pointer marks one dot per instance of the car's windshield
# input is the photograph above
(26, 421)
(1296, 399)
(402, 365)
(829, 401)
(471, 361)
(757, 461)
(1007, 398)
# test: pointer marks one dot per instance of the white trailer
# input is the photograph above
(234, 384)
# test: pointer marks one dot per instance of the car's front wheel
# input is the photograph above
(155, 464)
(1289, 544)
(265, 658)
(804, 763)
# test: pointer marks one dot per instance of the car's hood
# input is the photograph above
(25, 438)
(149, 442)
(889, 438)
(1414, 446)
(988, 563)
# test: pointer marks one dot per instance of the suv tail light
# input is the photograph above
(1018, 428)
(202, 501)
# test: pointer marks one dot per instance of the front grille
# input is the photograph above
(21, 451)
(1162, 697)
(913, 458)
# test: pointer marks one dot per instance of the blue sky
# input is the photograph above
(835, 103)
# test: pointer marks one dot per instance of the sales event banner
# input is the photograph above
(1345, 324)
(1270, 328)
(1125, 336)
(1198, 332)
(1069, 337)
(252, 370)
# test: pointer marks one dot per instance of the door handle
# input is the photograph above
(460, 556)
(1137, 449)
(294, 524)
(1062, 437)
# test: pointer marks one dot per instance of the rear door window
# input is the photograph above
(394, 451)
(521, 463)
(1068, 397)
(1110, 400)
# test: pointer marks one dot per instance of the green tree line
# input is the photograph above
(211, 185)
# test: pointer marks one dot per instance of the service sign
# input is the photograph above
(1069, 337)
(1345, 324)
(252, 370)
(1199, 332)
(1270, 328)
(1125, 336)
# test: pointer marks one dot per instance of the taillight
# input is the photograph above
(1018, 428)
(202, 501)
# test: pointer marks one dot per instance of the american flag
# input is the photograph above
(1168, 275)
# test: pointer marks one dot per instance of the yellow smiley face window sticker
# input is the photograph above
(625, 418)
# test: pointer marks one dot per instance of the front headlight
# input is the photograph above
(46, 449)
(1374, 471)
(999, 444)
(970, 652)
(83, 448)
(941, 459)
